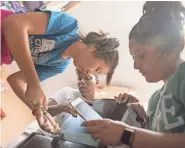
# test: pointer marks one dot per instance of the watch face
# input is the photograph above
(127, 136)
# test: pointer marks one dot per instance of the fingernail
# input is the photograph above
(124, 101)
(129, 104)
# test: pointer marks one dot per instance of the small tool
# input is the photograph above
(51, 120)
(77, 112)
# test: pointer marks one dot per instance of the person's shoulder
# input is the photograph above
(61, 23)
(179, 75)
(181, 69)
(57, 13)
(179, 78)
(177, 82)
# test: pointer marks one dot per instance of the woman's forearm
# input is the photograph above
(18, 85)
(149, 139)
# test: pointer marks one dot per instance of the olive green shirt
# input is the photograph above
(166, 108)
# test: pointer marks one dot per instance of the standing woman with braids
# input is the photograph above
(155, 43)
(43, 43)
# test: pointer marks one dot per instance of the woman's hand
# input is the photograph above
(124, 97)
(133, 103)
(45, 125)
(139, 109)
(109, 132)
(36, 99)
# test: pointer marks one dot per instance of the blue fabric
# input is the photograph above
(47, 49)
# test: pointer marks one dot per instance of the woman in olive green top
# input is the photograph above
(155, 43)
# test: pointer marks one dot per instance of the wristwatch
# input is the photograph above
(127, 136)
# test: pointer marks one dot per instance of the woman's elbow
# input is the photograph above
(15, 77)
